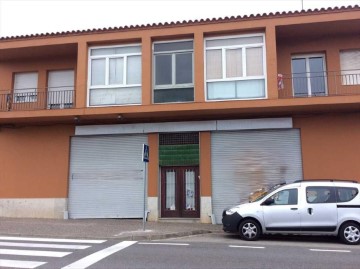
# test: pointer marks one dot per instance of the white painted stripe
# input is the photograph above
(20, 264)
(41, 253)
(169, 244)
(97, 256)
(331, 250)
(234, 246)
(59, 240)
(32, 245)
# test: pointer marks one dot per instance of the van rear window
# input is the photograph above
(345, 194)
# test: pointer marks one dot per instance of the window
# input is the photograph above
(308, 75)
(115, 75)
(235, 67)
(350, 67)
(60, 89)
(173, 72)
(25, 87)
(346, 194)
(316, 195)
(285, 197)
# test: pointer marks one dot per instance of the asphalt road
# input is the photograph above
(204, 251)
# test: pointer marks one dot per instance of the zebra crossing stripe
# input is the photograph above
(31, 245)
(41, 253)
(58, 240)
(20, 264)
(98, 256)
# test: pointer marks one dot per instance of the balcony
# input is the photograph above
(37, 99)
(315, 84)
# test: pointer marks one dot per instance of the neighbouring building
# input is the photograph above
(225, 105)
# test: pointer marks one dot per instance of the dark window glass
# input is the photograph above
(183, 68)
(173, 46)
(174, 95)
(316, 195)
(285, 197)
(163, 69)
(346, 194)
(300, 82)
(317, 76)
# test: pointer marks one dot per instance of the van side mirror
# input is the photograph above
(268, 201)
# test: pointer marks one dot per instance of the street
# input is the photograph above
(217, 250)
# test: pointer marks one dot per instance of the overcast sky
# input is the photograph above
(18, 17)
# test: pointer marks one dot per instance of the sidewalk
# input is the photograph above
(124, 229)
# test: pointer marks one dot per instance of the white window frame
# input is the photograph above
(307, 57)
(107, 58)
(173, 53)
(354, 74)
(244, 68)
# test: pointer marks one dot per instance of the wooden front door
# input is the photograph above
(180, 195)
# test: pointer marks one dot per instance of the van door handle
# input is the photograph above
(310, 211)
(293, 208)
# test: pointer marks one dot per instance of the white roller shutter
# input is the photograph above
(244, 161)
(106, 177)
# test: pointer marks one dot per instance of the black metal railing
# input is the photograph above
(37, 99)
(312, 84)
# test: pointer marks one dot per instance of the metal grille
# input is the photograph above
(179, 138)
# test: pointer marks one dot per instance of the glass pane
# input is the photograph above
(173, 46)
(170, 190)
(317, 76)
(213, 64)
(134, 70)
(184, 68)
(115, 50)
(174, 95)
(254, 62)
(316, 195)
(254, 88)
(163, 69)
(116, 71)
(98, 72)
(234, 41)
(234, 63)
(299, 77)
(115, 96)
(221, 90)
(190, 190)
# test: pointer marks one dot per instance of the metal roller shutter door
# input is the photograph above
(245, 161)
(106, 177)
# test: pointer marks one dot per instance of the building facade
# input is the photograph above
(225, 105)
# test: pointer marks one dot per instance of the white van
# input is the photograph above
(319, 207)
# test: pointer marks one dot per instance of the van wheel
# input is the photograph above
(249, 230)
(349, 233)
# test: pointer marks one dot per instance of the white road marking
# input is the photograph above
(41, 253)
(234, 246)
(59, 240)
(20, 264)
(97, 256)
(169, 244)
(331, 250)
(32, 245)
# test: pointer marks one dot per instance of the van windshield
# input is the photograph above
(262, 192)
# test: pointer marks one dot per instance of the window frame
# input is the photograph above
(244, 68)
(173, 84)
(307, 57)
(107, 71)
(344, 81)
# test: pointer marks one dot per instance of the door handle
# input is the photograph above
(310, 211)
(293, 208)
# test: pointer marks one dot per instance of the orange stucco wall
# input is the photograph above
(42, 66)
(153, 165)
(330, 146)
(34, 161)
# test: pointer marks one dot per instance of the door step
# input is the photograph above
(180, 220)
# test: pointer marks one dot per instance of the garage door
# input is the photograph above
(245, 161)
(106, 177)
